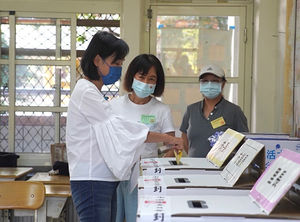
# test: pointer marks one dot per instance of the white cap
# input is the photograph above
(212, 69)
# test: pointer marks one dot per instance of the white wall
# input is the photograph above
(131, 23)
(272, 66)
(265, 69)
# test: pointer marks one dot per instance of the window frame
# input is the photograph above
(38, 159)
(34, 159)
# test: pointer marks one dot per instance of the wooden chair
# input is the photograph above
(27, 195)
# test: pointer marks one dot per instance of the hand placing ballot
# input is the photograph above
(175, 142)
(178, 155)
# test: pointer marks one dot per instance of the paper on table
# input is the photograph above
(242, 159)
(229, 140)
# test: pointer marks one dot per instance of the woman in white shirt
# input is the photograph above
(102, 147)
(144, 80)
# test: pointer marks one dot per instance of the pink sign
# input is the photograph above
(276, 181)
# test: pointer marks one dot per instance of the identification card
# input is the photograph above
(218, 122)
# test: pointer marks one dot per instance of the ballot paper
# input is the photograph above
(224, 146)
(178, 156)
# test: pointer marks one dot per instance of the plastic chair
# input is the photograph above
(27, 195)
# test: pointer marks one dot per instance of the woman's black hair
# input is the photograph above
(103, 44)
(142, 64)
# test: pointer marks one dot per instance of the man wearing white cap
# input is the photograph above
(213, 114)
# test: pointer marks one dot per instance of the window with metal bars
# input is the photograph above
(36, 63)
(87, 26)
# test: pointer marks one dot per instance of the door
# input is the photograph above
(185, 38)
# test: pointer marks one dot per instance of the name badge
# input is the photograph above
(218, 122)
(148, 119)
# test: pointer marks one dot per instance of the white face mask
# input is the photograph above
(210, 89)
(141, 89)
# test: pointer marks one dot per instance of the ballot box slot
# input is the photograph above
(182, 180)
(197, 204)
(173, 162)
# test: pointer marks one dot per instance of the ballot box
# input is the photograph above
(242, 171)
(275, 195)
(215, 159)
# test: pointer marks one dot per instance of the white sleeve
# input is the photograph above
(167, 122)
(120, 143)
(94, 107)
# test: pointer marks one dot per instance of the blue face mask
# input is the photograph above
(113, 75)
(141, 89)
(210, 89)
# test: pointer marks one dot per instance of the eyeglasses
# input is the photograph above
(212, 80)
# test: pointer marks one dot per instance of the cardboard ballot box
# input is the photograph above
(274, 195)
(168, 166)
(250, 156)
(199, 191)
(226, 144)
(159, 218)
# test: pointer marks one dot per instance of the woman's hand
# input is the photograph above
(175, 142)
(172, 141)
(169, 153)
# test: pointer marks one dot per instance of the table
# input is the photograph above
(45, 178)
(56, 197)
(12, 173)
(58, 190)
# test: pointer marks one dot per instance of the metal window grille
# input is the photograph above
(41, 71)
(87, 26)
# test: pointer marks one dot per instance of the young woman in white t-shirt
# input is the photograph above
(144, 80)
